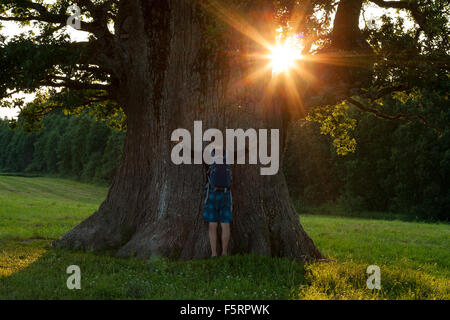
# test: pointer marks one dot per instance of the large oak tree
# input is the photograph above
(166, 63)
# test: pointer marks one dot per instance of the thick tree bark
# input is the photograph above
(172, 79)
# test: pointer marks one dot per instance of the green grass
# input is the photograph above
(414, 257)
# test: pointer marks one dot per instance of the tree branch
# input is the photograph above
(98, 27)
(401, 116)
(394, 4)
(382, 92)
(407, 5)
(73, 84)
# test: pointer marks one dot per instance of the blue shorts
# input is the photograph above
(218, 206)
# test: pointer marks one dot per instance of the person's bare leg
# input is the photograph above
(213, 238)
(225, 237)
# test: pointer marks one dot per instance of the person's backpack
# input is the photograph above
(220, 174)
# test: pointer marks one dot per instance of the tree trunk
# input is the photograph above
(173, 77)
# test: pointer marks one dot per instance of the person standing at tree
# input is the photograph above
(218, 202)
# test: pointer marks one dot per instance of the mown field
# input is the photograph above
(414, 257)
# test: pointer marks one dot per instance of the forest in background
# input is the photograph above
(69, 146)
(400, 167)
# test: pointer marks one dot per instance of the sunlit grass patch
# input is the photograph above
(15, 256)
(348, 280)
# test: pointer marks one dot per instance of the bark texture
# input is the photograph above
(171, 78)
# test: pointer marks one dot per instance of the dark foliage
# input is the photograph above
(397, 166)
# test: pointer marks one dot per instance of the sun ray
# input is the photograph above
(280, 54)
(235, 20)
(284, 57)
(255, 75)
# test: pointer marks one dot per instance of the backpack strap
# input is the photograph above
(206, 169)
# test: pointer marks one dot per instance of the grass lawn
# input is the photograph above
(414, 257)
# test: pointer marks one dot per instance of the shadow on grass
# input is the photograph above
(107, 277)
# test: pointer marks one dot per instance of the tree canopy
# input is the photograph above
(395, 56)
(393, 66)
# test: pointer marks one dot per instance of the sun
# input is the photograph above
(283, 57)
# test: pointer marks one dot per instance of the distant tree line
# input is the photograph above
(397, 166)
(71, 146)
